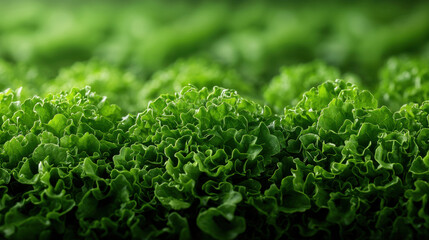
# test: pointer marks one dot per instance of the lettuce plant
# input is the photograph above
(210, 164)
(119, 86)
(404, 80)
(195, 71)
(361, 166)
(22, 75)
(51, 149)
(287, 88)
(71, 167)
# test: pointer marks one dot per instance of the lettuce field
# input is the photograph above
(214, 120)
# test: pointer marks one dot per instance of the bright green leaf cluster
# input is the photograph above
(404, 80)
(287, 88)
(119, 86)
(198, 72)
(20, 75)
(210, 164)
(46, 145)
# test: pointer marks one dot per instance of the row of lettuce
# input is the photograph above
(256, 38)
(210, 164)
(400, 80)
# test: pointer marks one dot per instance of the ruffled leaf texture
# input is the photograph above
(287, 88)
(209, 164)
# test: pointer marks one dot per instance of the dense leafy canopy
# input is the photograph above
(209, 164)
(48, 147)
(147, 120)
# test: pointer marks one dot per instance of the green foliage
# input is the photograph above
(20, 75)
(287, 88)
(357, 164)
(187, 154)
(204, 164)
(47, 148)
(210, 153)
(404, 80)
(104, 79)
(120, 86)
(256, 38)
(195, 71)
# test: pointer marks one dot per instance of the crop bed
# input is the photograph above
(222, 121)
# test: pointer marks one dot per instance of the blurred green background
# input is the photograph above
(133, 51)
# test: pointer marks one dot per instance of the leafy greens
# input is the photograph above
(210, 164)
